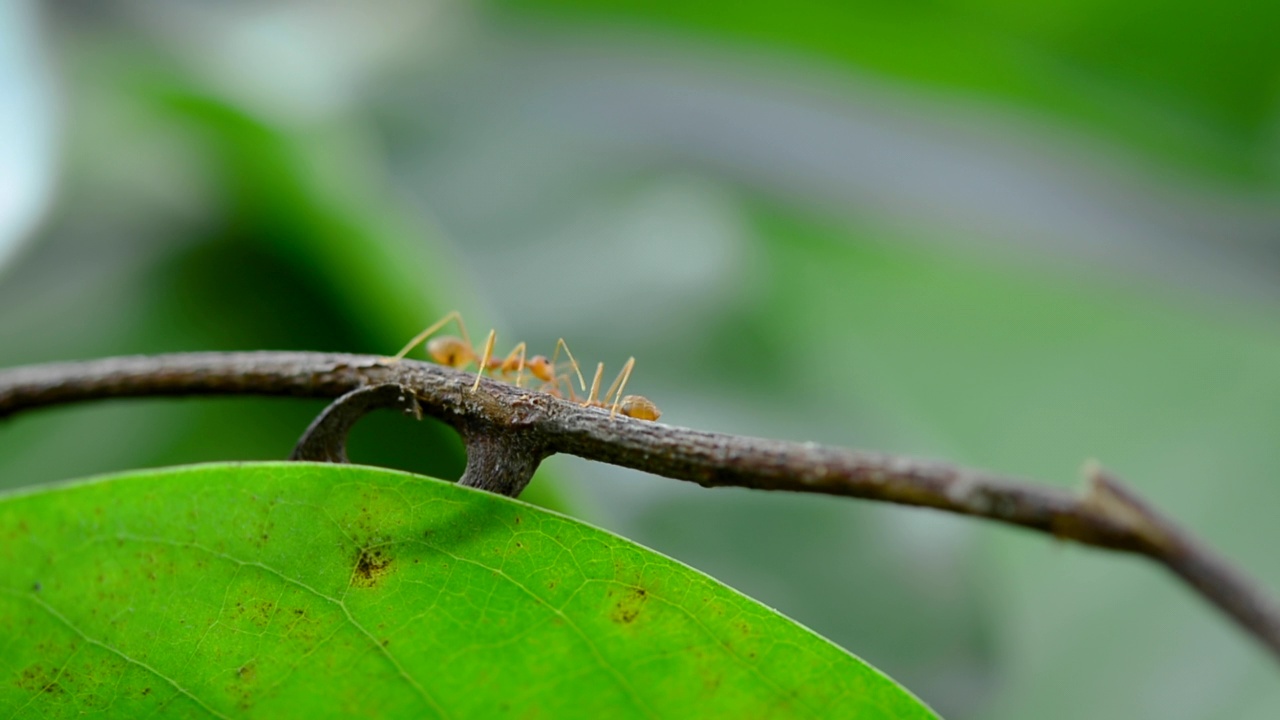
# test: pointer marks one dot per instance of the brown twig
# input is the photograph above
(509, 430)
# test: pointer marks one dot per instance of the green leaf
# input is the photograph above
(273, 589)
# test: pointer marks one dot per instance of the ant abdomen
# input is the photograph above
(451, 351)
(639, 407)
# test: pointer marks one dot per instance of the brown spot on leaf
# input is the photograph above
(264, 610)
(628, 608)
(242, 686)
(370, 567)
(38, 678)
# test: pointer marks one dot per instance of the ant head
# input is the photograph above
(451, 351)
(541, 368)
(639, 407)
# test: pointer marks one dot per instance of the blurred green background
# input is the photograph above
(1015, 236)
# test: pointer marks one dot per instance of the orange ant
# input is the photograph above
(458, 353)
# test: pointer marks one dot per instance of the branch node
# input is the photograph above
(500, 459)
(1113, 499)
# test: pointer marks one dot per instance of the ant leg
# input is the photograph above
(454, 315)
(562, 344)
(568, 383)
(552, 387)
(517, 352)
(488, 351)
(520, 370)
(595, 385)
(619, 384)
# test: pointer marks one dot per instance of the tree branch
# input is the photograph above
(508, 430)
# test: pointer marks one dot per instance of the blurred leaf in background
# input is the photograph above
(1010, 236)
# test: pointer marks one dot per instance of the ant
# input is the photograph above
(458, 353)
